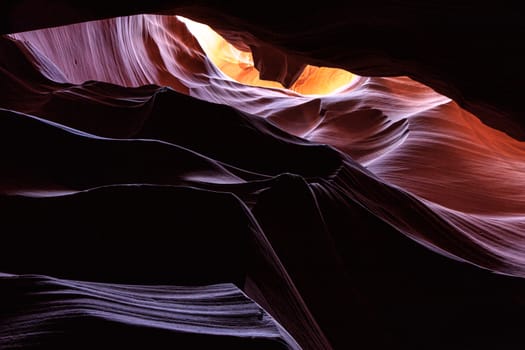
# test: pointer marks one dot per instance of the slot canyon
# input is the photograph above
(197, 175)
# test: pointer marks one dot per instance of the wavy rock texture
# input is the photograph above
(51, 313)
(380, 215)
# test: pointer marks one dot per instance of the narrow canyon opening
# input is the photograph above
(238, 64)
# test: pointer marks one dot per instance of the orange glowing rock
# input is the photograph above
(239, 65)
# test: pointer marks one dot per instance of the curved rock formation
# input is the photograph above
(54, 313)
(379, 213)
